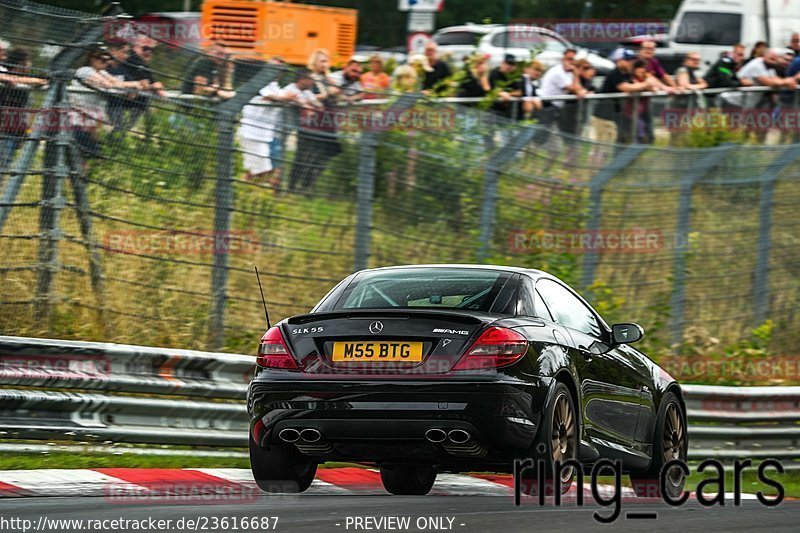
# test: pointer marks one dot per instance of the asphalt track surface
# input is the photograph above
(313, 513)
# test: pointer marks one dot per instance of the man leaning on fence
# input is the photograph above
(124, 111)
(612, 121)
(763, 71)
(210, 75)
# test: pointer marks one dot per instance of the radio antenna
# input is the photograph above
(263, 301)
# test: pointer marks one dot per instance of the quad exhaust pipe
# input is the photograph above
(308, 440)
(289, 435)
(436, 435)
(292, 435)
(458, 436)
(459, 442)
(310, 435)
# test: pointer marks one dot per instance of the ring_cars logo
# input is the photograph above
(451, 331)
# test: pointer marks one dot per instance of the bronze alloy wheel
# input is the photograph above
(674, 443)
(670, 443)
(564, 436)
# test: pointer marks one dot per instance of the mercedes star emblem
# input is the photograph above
(376, 327)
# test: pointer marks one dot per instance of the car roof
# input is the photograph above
(475, 28)
(518, 270)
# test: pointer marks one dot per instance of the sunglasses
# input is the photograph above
(147, 49)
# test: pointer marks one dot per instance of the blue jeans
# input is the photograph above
(276, 151)
(8, 147)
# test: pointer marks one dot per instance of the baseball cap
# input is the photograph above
(510, 59)
(622, 53)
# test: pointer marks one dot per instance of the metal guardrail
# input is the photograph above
(200, 400)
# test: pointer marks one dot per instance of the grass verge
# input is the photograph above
(33, 461)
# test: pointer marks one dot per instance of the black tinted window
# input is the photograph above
(463, 38)
(567, 309)
(698, 27)
(458, 288)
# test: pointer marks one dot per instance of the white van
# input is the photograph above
(711, 27)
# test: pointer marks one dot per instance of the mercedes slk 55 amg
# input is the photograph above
(450, 368)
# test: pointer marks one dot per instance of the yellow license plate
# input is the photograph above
(376, 352)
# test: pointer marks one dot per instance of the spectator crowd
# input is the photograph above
(116, 84)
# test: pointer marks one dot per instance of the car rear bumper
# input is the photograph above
(381, 420)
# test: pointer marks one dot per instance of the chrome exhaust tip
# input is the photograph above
(310, 435)
(459, 436)
(436, 435)
(289, 435)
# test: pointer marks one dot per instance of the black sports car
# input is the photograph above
(448, 368)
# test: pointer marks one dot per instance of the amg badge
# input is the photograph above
(451, 331)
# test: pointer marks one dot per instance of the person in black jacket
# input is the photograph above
(134, 68)
(722, 74)
(476, 84)
(435, 80)
(503, 81)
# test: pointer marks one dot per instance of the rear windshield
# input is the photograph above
(699, 27)
(436, 288)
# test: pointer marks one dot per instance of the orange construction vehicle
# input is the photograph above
(262, 29)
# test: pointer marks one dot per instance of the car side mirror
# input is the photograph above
(626, 333)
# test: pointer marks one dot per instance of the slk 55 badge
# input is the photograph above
(299, 331)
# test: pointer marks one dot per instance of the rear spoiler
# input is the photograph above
(453, 315)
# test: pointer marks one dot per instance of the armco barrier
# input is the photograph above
(201, 400)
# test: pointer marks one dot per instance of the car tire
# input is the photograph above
(670, 441)
(557, 439)
(281, 468)
(408, 480)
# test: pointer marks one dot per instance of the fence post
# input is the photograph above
(82, 211)
(52, 203)
(682, 229)
(365, 194)
(634, 118)
(365, 189)
(764, 244)
(226, 115)
(492, 178)
(596, 185)
(222, 223)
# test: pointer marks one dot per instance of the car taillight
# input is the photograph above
(495, 348)
(273, 351)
